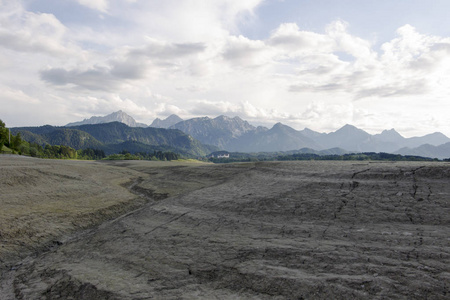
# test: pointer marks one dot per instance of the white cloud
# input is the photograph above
(242, 52)
(294, 42)
(163, 50)
(244, 109)
(407, 66)
(128, 65)
(14, 96)
(357, 47)
(100, 5)
(30, 32)
(408, 46)
(154, 58)
(327, 116)
(187, 20)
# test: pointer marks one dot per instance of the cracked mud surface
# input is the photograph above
(290, 230)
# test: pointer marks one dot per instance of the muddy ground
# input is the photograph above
(275, 230)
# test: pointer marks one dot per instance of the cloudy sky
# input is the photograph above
(319, 64)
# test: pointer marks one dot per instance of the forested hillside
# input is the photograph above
(115, 137)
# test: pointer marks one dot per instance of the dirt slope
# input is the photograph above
(297, 230)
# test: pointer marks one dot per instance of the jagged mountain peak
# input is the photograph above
(118, 116)
(390, 134)
(226, 117)
(229, 119)
(167, 122)
(261, 129)
(281, 127)
(348, 137)
(223, 117)
(311, 133)
(173, 117)
(309, 130)
(218, 131)
(348, 128)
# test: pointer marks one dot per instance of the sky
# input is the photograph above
(317, 64)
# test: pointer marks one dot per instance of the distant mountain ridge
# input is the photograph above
(122, 117)
(118, 116)
(115, 136)
(219, 131)
(236, 134)
(279, 138)
(167, 122)
(427, 150)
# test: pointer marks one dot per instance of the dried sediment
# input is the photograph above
(292, 230)
(44, 200)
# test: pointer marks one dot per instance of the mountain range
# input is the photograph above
(167, 122)
(115, 137)
(234, 134)
(118, 116)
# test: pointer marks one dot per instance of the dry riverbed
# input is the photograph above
(278, 230)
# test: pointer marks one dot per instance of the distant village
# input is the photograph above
(220, 155)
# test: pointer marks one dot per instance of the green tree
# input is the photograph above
(34, 152)
(24, 148)
(16, 141)
(3, 134)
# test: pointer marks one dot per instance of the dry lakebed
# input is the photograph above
(261, 230)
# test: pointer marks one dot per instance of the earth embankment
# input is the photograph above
(291, 230)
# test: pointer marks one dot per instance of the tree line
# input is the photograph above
(155, 155)
(14, 144)
(366, 156)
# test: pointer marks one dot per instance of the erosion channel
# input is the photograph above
(264, 230)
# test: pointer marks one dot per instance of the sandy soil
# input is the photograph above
(292, 230)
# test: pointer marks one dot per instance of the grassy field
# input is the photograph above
(6, 150)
